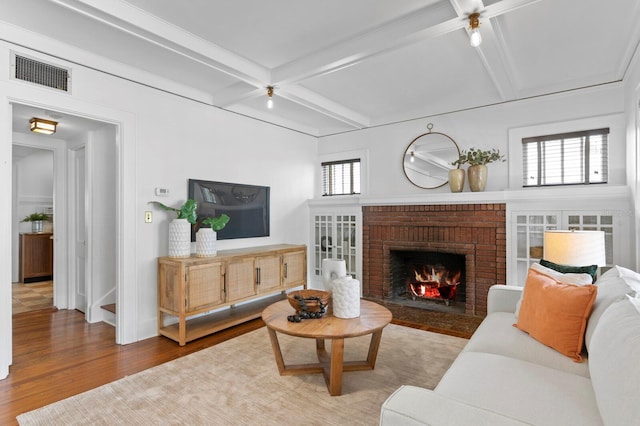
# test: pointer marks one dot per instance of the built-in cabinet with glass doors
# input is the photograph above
(335, 236)
(529, 227)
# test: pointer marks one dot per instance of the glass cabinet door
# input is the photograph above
(335, 237)
(530, 239)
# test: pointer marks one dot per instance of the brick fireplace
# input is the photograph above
(475, 231)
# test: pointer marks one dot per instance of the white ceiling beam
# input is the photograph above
(314, 101)
(430, 21)
(237, 93)
(132, 20)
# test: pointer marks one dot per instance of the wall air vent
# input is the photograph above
(27, 69)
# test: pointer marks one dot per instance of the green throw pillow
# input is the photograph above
(566, 269)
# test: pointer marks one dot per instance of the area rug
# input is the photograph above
(237, 383)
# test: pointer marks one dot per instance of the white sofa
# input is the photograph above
(503, 376)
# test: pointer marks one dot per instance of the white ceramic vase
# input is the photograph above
(206, 242)
(345, 297)
(332, 269)
(179, 238)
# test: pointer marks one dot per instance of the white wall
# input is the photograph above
(162, 141)
(485, 128)
(101, 180)
(632, 108)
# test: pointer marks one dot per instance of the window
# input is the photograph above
(566, 159)
(341, 177)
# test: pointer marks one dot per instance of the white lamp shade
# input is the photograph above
(575, 248)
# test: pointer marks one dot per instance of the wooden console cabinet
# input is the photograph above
(196, 285)
(36, 257)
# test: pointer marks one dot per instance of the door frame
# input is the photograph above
(127, 295)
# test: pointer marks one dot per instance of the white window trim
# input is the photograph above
(362, 154)
(615, 123)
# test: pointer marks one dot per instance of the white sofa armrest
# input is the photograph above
(413, 406)
(503, 298)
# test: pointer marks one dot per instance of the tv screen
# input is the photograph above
(246, 205)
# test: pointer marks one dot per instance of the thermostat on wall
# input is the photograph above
(162, 192)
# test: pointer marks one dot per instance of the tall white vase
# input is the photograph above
(179, 238)
(332, 269)
(206, 242)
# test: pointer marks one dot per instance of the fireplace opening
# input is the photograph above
(428, 280)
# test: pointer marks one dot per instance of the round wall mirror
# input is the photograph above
(428, 158)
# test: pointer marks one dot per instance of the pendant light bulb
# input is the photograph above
(475, 38)
(270, 95)
(413, 158)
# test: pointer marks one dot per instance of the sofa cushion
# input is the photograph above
(497, 335)
(568, 278)
(611, 288)
(588, 269)
(406, 407)
(615, 367)
(556, 314)
(526, 391)
(564, 277)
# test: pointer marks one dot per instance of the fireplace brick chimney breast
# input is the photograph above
(477, 231)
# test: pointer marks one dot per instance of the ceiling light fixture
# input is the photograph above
(474, 23)
(40, 125)
(270, 95)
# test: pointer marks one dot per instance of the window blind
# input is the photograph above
(341, 177)
(566, 159)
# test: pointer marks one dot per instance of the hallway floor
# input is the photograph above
(32, 296)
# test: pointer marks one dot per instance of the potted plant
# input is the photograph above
(478, 160)
(207, 236)
(36, 220)
(180, 227)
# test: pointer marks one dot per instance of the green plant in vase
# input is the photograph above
(206, 237)
(477, 159)
(36, 220)
(180, 227)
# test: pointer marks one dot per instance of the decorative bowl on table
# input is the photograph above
(309, 298)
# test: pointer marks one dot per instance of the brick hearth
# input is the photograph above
(477, 231)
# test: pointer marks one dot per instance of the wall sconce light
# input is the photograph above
(40, 125)
(475, 37)
(270, 95)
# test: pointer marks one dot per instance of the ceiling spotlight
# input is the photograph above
(40, 125)
(270, 95)
(474, 23)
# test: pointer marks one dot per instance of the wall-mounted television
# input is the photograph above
(246, 205)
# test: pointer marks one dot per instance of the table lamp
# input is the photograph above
(575, 248)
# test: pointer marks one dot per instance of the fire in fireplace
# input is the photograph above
(427, 276)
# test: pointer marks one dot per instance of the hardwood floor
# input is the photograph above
(56, 354)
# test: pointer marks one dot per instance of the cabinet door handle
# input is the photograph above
(258, 276)
(285, 270)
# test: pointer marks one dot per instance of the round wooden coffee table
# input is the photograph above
(373, 318)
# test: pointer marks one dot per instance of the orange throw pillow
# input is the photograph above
(556, 314)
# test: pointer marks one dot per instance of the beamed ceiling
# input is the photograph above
(341, 65)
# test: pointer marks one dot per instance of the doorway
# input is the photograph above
(85, 168)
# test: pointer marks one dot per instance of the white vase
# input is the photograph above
(206, 239)
(332, 269)
(179, 238)
(345, 297)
